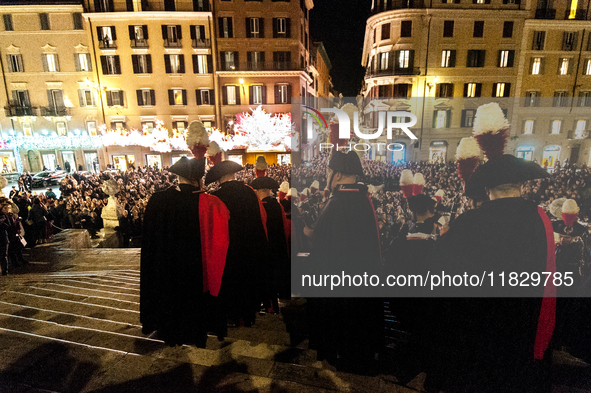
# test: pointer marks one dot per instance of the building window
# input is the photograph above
(538, 41)
(50, 62)
(528, 127)
(478, 29)
(205, 97)
(44, 20)
(86, 97)
(142, 64)
(501, 90)
(229, 61)
(146, 97)
(560, 98)
(225, 25)
(384, 60)
(78, 22)
(202, 64)
(569, 40)
(147, 126)
(506, 58)
(282, 94)
(472, 90)
(61, 128)
(508, 29)
(82, 62)
(8, 22)
(114, 97)
(587, 67)
(172, 36)
(475, 58)
(15, 63)
(555, 129)
(445, 90)
(198, 37)
(404, 59)
(441, 118)
(532, 98)
(107, 36)
(536, 66)
(448, 58)
(91, 128)
(111, 65)
(386, 31)
(256, 60)
(27, 129)
(448, 28)
(177, 97)
(282, 60)
(563, 66)
(138, 36)
(180, 126)
(281, 28)
(253, 28)
(257, 95)
(174, 64)
(406, 28)
(231, 95)
(581, 126)
(585, 98)
(468, 117)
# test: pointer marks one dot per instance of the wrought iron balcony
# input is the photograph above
(107, 44)
(546, 13)
(50, 111)
(139, 43)
(201, 43)
(389, 5)
(15, 110)
(177, 43)
(371, 73)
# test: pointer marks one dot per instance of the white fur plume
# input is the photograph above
(419, 179)
(570, 207)
(406, 177)
(284, 187)
(489, 118)
(440, 193)
(293, 192)
(213, 149)
(556, 207)
(197, 134)
(467, 148)
(306, 191)
(315, 184)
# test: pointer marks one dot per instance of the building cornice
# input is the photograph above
(147, 16)
(273, 74)
(546, 24)
(52, 8)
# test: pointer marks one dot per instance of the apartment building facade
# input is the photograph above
(74, 69)
(442, 60)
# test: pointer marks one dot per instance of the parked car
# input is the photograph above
(48, 178)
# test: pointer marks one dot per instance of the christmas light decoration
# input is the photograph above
(263, 131)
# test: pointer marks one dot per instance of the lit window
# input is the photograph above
(384, 60)
(580, 129)
(563, 66)
(50, 63)
(556, 126)
(505, 58)
(257, 94)
(404, 59)
(441, 119)
(500, 90)
(83, 60)
(587, 70)
(178, 97)
(448, 58)
(536, 65)
(471, 90)
(231, 92)
(175, 64)
(528, 127)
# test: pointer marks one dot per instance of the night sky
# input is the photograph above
(340, 25)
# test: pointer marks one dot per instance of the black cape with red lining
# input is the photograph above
(240, 295)
(184, 246)
(488, 343)
(279, 268)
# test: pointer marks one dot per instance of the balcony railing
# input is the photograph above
(370, 73)
(201, 43)
(50, 111)
(139, 43)
(15, 110)
(168, 43)
(398, 4)
(202, 7)
(107, 44)
(579, 15)
(546, 13)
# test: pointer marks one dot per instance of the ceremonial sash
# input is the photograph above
(547, 318)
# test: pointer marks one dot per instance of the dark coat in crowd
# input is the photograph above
(240, 295)
(346, 331)
(184, 246)
(279, 267)
(488, 344)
